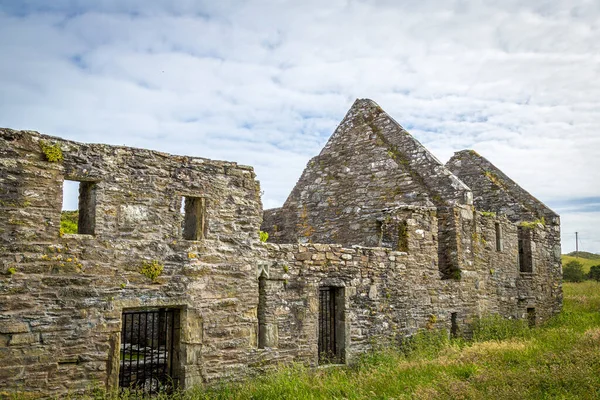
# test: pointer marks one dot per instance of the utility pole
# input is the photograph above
(576, 245)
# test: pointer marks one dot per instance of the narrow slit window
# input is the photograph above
(525, 254)
(531, 317)
(402, 236)
(454, 325)
(262, 312)
(379, 233)
(78, 214)
(194, 217)
(498, 237)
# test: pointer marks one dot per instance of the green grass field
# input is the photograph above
(506, 360)
(587, 263)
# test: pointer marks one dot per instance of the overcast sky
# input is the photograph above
(265, 83)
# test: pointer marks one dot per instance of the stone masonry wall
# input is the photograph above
(61, 297)
(390, 294)
(496, 193)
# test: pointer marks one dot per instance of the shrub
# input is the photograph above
(594, 273)
(573, 272)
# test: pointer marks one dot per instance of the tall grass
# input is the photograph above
(504, 360)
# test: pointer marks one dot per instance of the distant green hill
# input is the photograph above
(585, 254)
(587, 262)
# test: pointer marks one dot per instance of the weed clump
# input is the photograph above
(533, 224)
(152, 269)
(52, 152)
(263, 236)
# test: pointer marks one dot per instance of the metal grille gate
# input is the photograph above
(327, 322)
(147, 350)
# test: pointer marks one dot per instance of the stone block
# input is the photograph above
(318, 257)
(10, 372)
(24, 338)
(13, 327)
(305, 256)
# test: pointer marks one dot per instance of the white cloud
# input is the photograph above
(265, 82)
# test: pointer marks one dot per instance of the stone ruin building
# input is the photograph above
(166, 282)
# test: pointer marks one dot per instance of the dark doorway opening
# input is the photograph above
(331, 325)
(149, 353)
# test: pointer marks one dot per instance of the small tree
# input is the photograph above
(573, 271)
(594, 273)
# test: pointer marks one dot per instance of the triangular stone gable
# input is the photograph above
(370, 164)
(494, 191)
(368, 135)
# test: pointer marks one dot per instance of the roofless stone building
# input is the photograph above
(167, 284)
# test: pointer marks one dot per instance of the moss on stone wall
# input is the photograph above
(533, 224)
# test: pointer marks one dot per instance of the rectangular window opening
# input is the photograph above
(393, 235)
(193, 210)
(531, 318)
(332, 331)
(525, 255)
(498, 236)
(149, 354)
(385, 233)
(78, 214)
